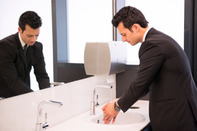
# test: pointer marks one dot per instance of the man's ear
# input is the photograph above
(136, 27)
(19, 29)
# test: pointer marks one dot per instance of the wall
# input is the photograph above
(19, 113)
(10, 11)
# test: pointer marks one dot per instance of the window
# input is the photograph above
(164, 15)
(91, 21)
(88, 21)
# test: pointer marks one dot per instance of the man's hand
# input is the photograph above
(109, 113)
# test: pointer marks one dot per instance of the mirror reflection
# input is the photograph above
(15, 65)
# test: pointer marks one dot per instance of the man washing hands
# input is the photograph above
(164, 71)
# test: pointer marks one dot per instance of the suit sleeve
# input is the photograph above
(151, 59)
(40, 70)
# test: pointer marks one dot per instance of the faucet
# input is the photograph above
(39, 125)
(93, 103)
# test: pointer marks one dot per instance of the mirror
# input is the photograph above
(10, 11)
(73, 26)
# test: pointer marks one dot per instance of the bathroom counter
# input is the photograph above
(134, 119)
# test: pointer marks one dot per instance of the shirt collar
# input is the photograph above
(22, 42)
(145, 34)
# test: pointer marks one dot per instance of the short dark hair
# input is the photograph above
(30, 18)
(129, 16)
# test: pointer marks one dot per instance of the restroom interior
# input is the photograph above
(62, 69)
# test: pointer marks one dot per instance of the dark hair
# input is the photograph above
(30, 18)
(129, 16)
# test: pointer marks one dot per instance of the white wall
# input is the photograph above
(10, 11)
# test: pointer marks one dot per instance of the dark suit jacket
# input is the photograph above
(15, 70)
(164, 71)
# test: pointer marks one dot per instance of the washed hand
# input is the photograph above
(109, 113)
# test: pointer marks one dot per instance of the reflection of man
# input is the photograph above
(164, 71)
(18, 53)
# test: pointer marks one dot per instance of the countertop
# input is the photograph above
(134, 119)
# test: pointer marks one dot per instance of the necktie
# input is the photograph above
(25, 50)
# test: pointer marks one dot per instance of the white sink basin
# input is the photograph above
(134, 119)
(130, 117)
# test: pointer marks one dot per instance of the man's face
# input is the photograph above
(29, 35)
(130, 36)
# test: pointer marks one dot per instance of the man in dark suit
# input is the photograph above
(18, 53)
(164, 72)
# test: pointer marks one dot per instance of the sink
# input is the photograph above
(135, 119)
(129, 117)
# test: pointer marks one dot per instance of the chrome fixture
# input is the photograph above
(40, 126)
(93, 103)
(56, 84)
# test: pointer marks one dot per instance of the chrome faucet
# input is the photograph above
(40, 126)
(93, 103)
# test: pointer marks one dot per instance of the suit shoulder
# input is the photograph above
(9, 41)
(166, 44)
(38, 44)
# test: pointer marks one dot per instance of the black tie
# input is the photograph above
(25, 50)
